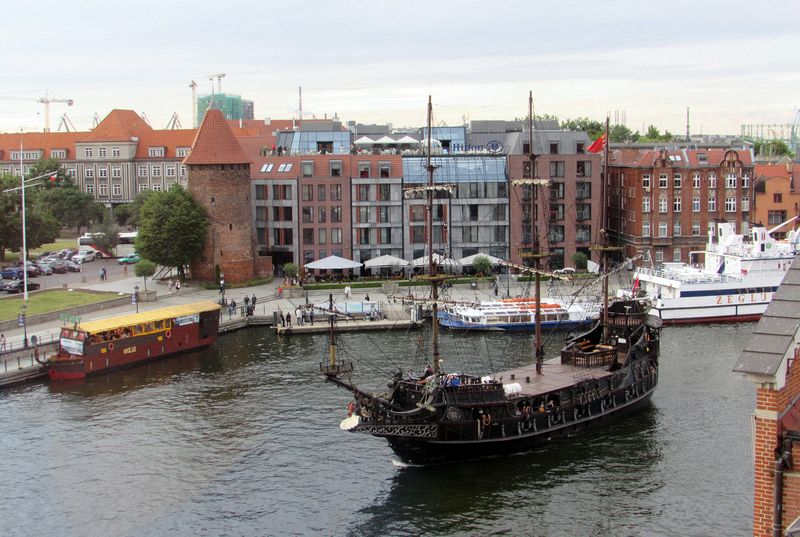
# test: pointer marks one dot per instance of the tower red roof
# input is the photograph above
(215, 143)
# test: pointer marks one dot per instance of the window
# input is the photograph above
(584, 168)
(676, 255)
(363, 170)
(336, 236)
(88, 152)
(322, 236)
(183, 170)
(417, 234)
(286, 167)
(90, 188)
(676, 180)
(102, 172)
(696, 180)
(695, 229)
(102, 190)
(385, 236)
(155, 151)
(308, 169)
(730, 205)
(583, 212)
(308, 214)
(364, 216)
(72, 172)
(676, 204)
(362, 194)
(696, 204)
(583, 190)
(336, 192)
(157, 187)
(777, 197)
(336, 214)
(646, 204)
(116, 172)
(308, 235)
(88, 173)
(115, 151)
(58, 153)
(417, 213)
(266, 168)
(557, 168)
(662, 229)
(282, 214)
(676, 229)
(662, 180)
(155, 171)
(773, 217)
(261, 192)
(712, 203)
(646, 181)
(383, 169)
(745, 181)
(553, 148)
(170, 171)
(321, 215)
(116, 189)
(141, 171)
(557, 190)
(384, 192)
(745, 203)
(646, 228)
(383, 214)
(102, 152)
(712, 180)
(556, 234)
(182, 151)
(730, 181)
(583, 233)
(472, 213)
(659, 255)
(364, 235)
(662, 204)
(336, 168)
(308, 193)
(499, 212)
(143, 187)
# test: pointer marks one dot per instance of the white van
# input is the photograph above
(84, 255)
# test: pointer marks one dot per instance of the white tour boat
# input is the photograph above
(735, 283)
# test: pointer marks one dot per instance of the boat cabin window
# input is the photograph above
(69, 333)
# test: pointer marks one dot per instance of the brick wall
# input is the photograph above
(223, 190)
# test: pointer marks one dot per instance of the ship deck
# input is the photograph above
(555, 376)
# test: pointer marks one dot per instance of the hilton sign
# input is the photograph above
(492, 146)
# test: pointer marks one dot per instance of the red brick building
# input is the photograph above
(776, 197)
(219, 180)
(663, 200)
(770, 360)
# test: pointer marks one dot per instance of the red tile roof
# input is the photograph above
(681, 158)
(119, 126)
(215, 143)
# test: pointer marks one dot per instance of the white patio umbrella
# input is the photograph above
(445, 262)
(470, 259)
(332, 262)
(407, 140)
(386, 261)
(385, 140)
(364, 140)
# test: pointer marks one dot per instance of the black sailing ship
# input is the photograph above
(603, 374)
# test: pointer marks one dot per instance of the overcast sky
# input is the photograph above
(731, 62)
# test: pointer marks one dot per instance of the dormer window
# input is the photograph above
(155, 151)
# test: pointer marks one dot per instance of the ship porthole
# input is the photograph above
(111, 346)
(168, 333)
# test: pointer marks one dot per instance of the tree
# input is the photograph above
(172, 229)
(772, 148)
(590, 126)
(71, 206)
(50, 166)
(482, 265)
(144, 268)
(580, 259)
(621, 133)
(134, 207)
(122, 214)
(290, 270)
(106, 236)
(40, 227)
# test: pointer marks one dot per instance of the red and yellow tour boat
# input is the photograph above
(97, 346)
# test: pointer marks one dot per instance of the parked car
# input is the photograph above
(58, 266)
(44, 268)
(83, 256)
(72, 266)
(17, 286)
(11, 273)
(67, 253)
(129, 259)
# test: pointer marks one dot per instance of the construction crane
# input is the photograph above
(795, 133)
(46, 100)
(219, 77)
(174, 122)
(67, 124)
(193, 85)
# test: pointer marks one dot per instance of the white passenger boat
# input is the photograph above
(735, 283)
(515, 314)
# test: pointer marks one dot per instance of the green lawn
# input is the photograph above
(51, 300)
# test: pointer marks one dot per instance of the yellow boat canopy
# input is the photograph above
(170, 312)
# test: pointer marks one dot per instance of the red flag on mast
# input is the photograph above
(598, 144)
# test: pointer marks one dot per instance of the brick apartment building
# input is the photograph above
(663, 200)
(776, 196)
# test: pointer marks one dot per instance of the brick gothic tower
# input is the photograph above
(219, 180)
(770, 360)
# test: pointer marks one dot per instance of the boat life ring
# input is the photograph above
(168, 333)
(486, 419)
(111, 346)
(351, 408)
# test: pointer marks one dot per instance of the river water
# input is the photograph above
(243, 439)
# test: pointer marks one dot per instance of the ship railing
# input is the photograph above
(687, 276)
(626, 320)
(336, 369)
(589, 356)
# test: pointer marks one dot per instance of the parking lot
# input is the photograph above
(90, 274)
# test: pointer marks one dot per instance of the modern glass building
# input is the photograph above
(316, 142)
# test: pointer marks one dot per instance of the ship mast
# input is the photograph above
(535, 254)
(431, 264)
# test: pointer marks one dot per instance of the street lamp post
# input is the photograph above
(135, 297)
(222, 286)
(23, 323)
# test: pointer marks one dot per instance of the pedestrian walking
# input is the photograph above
(311, 315)
(289, 320)
(366, 298)
(283, 320)
(2, 343)
(253, 301)
(347, 292)
(246, 301)
(171, 285)
(125, 270)
(178, 286)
